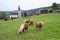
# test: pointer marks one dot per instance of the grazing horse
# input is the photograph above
(31, 22)
(27, 21)
(23, 27)
(39, 24)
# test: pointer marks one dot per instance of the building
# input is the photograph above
(44, 11)
(19, 11)
(13, 15)
(58, 11)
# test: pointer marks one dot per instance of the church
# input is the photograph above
(15, 15)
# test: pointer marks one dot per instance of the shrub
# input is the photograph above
(25, 14)
(37, 14)
(2, 15)
(6, 18)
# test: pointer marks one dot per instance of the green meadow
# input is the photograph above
(50, 30)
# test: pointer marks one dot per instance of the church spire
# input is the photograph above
(19, 11)
(19, 8)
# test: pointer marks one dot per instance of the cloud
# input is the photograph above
(25, 4)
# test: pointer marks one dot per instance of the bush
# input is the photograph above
(2, 15)
(37, 14)
(25, 14)
(6, 18)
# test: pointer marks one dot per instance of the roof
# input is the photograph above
(14, 13)
(58, 10)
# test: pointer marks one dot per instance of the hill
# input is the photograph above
(30, 11)
(50, 30)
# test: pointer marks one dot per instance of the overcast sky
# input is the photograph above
(9, 5)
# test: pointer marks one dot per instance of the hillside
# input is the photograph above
(50, 30)
(30, 11)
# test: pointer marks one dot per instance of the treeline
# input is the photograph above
(3, 16)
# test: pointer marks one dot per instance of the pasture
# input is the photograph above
(50, 30)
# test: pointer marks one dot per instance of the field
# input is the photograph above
(50, 30)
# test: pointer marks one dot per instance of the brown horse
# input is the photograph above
(39, 24)
(23, 27)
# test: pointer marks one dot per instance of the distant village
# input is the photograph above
(23, 13)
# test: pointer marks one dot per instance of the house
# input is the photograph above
(44, 11)
(13, 15)
(58, 11)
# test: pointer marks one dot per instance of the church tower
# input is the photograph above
(19, 11)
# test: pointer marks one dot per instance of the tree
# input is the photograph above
(2, 15)
(25, 14)
(54, 6)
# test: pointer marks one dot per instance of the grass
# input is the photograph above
(50, 30)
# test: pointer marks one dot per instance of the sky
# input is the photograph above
(9, 5)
